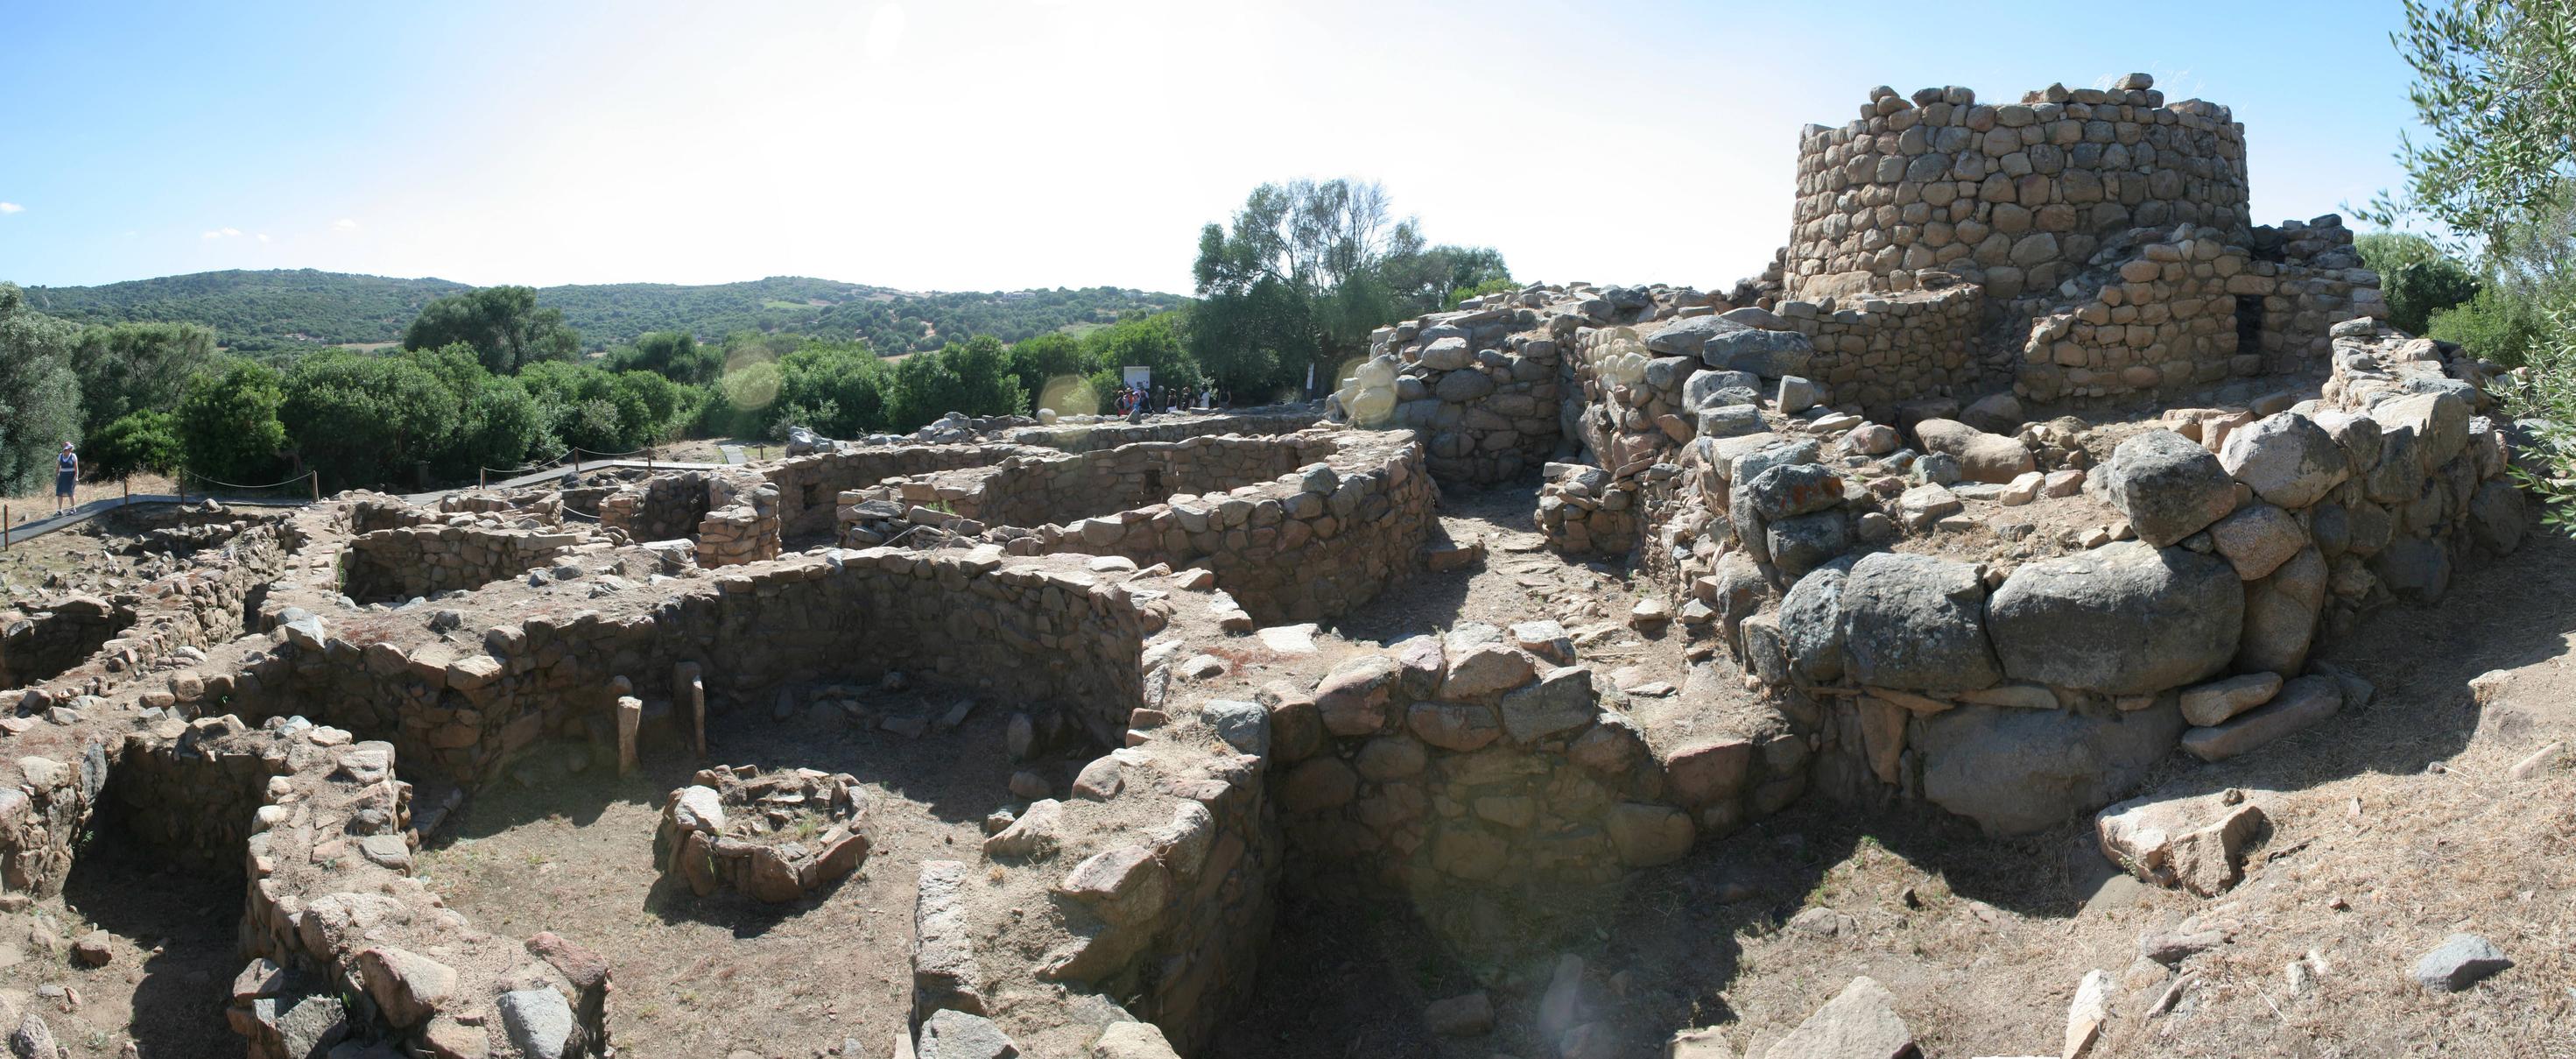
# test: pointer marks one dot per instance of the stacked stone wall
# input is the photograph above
(809, 486)
(1482, 393)
(1069, 487)
(422, 560)
(2240, 544)
(40, 641)
(1464, 766)
(1035, 628)
(1309, 545)
(1878, 350)
(743, 525)
(661, 507)
(2014, 197)
(209, 602)
(1089, 438)
(2170, 312)
(344, 943)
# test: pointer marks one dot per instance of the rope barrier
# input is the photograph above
(247, 488)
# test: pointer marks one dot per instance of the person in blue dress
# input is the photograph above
(66, 471)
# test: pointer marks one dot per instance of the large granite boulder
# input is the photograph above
(2287, 458)
(2167, 485)
(1918, 623)
(1811, 622)
(1982, 457)
(2016, 771)
(2123, 619)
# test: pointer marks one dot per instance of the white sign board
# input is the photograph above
(1139, 378)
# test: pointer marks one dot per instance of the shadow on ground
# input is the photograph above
(1350, 976)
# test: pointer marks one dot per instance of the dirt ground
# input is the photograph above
(572, 852)
(169, 976)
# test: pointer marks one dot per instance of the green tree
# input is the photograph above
(503, 428)
(228, 425)
(144, 441)
(2418, 291)
(1048, 356)
(1305, 271)
(972, 377)
(365, 420)
(2416, 278)
(129, 366)
(2495, 82)
(1159, 342)
(2386, 252)
(675, 355)
(39, 394)
(836, 388)
(505, 327)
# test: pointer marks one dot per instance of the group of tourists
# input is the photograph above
(1147, 400)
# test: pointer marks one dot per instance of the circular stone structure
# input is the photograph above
(775, 836)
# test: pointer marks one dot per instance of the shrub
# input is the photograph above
(228, 425)
(2494, 325)
(145, 441)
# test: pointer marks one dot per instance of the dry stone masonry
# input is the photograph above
(2029, 464)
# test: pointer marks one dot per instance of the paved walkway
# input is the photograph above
(34, 528)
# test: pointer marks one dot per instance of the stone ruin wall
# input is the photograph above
(2012, 197)
(428, 559)
(659, 507)
(1090, 437)
(1063, 489)
(809, 486)
(1480, 763)
(466, 704)
(42, 640)
(1297, 527)
(2257, 538)
(2170, 312)
(1482, 393)
(1877, 350)
(177, 618)
(323, 824)
(742, 524)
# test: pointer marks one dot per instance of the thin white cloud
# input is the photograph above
(11, 207)
(345, 224)
(220, 233)
(263, 237)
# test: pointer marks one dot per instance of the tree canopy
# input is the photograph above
(39, 394)
(1305, 271)
(504, 326)
(2495, 81)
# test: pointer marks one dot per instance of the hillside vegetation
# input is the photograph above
(226, 377)
(285, 309)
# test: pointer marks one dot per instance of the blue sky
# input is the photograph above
(995, 144)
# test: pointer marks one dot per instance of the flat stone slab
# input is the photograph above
(2460, 961)
(1858, 1023)
(2302, 703)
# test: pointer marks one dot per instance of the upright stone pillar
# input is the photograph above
(630, 716)
(689, 694)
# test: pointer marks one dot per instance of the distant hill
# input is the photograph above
(285, 309)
